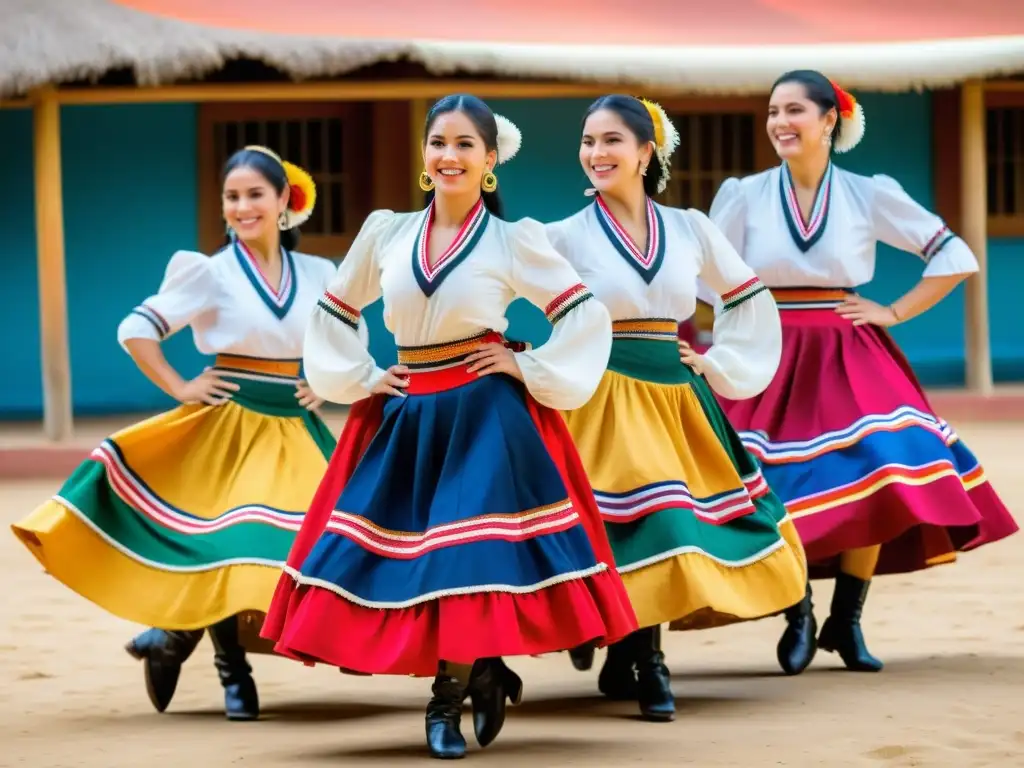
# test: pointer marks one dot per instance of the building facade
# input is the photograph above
(142, 180)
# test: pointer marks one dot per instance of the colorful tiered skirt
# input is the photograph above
(846, 437)
(186, 518)
(454, 523)
(699, 538)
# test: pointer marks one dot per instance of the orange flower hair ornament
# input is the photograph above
(851, 115)
(666, 139)
(301, 190)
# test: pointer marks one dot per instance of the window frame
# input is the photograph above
(1005, 225)
(755, 106)
(946, 159)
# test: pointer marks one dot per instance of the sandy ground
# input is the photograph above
(953, 640)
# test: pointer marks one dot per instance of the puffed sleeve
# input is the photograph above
(326, 271)
(903, 223)
(747, 346)
(336, 361)
(564, 372)
(728, 213)
(188, 290)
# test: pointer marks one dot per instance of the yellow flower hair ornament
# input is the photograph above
(666, 139)
(301, 190)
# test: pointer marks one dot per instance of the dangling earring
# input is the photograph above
(489, 182)
(643, 170)
(229, 233)
(282, 221)
(426, 183)
(826, 138)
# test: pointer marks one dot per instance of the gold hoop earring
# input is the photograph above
(489, 182)
(426, 183)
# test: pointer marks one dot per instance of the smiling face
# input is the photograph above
(251, 204)
(611, 154)
(455, 155)
(796, 125)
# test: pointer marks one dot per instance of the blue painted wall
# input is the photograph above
(20, 384)
(129, 203)
(129, 198)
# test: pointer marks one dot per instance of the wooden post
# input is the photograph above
(417, 117)
(974, 230)
(53, 313)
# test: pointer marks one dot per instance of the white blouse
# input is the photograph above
(489, 264)
(836, 247)
(660, 281)
(230, 306)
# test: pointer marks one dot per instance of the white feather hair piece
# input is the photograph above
(510, 139)
(852, 132)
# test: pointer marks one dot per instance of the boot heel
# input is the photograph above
(513, 685)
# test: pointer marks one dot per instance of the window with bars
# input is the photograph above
(330, 141)
(1004, 136)
(713, 146)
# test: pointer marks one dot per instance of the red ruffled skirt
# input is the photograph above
(455, 523)
(847, 439)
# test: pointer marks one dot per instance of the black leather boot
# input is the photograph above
(654, 684)
(490, 683)
(582, 656)
(444, 716)
(241, 701)
(162, 653)
(841, 631)
(799, 642)
(617, 679)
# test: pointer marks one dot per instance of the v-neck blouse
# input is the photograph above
(490, 264)
(685, 247)
(836, 248)
(230, 306)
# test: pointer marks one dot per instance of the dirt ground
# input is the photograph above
(952, 638)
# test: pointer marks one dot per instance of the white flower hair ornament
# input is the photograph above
(851, 117)
(666, 139)
(509, 139)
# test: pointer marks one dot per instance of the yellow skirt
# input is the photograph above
(699, 538)
(186, 518)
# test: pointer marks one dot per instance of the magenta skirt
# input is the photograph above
(847, 439)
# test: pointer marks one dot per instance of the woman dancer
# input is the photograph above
(455, 524)
(183, 521)
(698, 537)
(876, 482)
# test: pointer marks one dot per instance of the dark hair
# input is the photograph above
(636, 117)
(819, 89)
(483, 119)
(271, 170)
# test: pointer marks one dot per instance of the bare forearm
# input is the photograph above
(925, 295)
(149, 357)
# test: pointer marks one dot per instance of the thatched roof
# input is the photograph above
(63, 41)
